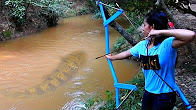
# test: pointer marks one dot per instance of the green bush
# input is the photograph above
(83, 11)
(17, 10)
(133, 102)
(70, 13)
(120, 44)
(51, 10)
(92, 5)
(6, 34)
(97, 15)
(92, 101)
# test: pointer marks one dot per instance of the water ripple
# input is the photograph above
(74, 105)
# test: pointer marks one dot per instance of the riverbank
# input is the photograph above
(35, 21)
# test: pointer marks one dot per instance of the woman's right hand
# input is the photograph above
(154, 33)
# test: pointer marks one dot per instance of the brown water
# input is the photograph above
(26, 62)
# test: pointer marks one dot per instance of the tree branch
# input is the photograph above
(120, 29)
(184, 10)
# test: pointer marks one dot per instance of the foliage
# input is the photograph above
(52, 9)
(83, 11)
(56, 7)
(136, 6)
(92, 5)
(17, 10)
(120, 44)
(6, 34)
(70, 13)
(133, 102)
(110, 103)
(90, 101)
(109, 95)
(97, 14)
(139, 6)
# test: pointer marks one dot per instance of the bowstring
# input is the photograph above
(109, 6)
(130, 21)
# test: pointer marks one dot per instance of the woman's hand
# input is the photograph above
(109, 56)
(119, 56)
(182, 36)
(153, 33)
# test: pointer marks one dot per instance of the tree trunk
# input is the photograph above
(120, 29)
(161, 4)
(187, 10)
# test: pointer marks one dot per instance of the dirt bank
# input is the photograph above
(34, 22)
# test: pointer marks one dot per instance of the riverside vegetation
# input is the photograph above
(22, 17)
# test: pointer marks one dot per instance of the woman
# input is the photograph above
(158, 56)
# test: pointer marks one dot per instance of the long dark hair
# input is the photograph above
(160, 21)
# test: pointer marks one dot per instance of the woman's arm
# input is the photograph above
(182, 36)
(119, 56)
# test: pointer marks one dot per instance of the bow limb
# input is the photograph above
(108, 51)
(106, 23)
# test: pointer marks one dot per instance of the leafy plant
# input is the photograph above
(110, 102)
(70, 13)
(17, 10)
(92, 5)
(83, 11)
(7, 33)
(120, 43)
(133, 102)
(90, 101)
(52, 9)
(109, 95)
(97, 15)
